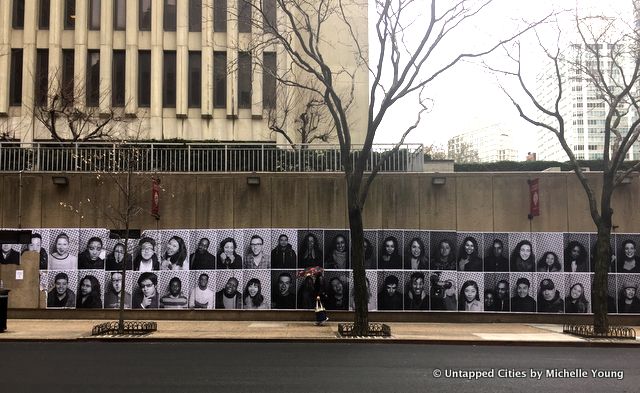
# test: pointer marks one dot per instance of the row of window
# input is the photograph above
(144, 15)
(92, 86)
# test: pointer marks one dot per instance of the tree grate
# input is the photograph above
(136, 328)
(615, 332)
(374, 330)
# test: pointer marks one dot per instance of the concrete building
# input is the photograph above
(175, 69)
(492, 143)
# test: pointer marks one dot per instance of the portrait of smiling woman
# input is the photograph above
(415, 255)
(252, 298)
(175, 255)
(522, 258)
(468, 259)
(60, 257)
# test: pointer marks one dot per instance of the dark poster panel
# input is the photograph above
(202, 290)
(497, 295)
(203, 246)
(93, 252)
(113, 286)
(337, 289)
(550, 292)
(390, 290)
(310, 248)
(390, 249)
(576, 254)
(469, 252)
(284, 253)
(416, 250)
(370, 250)
(496, 252)
(337, 249)
(283, 289)
(443, 250)
(444, 290)
(90, 289)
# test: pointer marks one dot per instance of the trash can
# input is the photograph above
(4, 303)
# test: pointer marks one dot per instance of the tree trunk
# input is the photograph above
(600, 281)
(361, 295)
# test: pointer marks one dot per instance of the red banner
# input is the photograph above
(534, 198)
(155, 198)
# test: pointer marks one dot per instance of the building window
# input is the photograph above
(219, 79)
(18, 14)
(169, 15)
(68, 58)
(144, 78)
(244, 16)
(145, 15)
(269, 80)
(93, 78)
(42, 77)
(15, 82)
(195, 15)
(119, 15)
(117, 78)
(220, 16)
(94, 14)
(43, 14)
(69, 14)
(195, 62)
(269, 12)
(169, 79)
(244, 80)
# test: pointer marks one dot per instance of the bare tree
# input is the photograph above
(434, 152)
(413, 51)
(605, 59)
(464, 153)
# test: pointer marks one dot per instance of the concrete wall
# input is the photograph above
(468, 201)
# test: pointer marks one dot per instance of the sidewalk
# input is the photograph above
(434, 333)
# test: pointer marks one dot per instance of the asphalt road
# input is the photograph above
(306, 367)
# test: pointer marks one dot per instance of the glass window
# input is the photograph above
(220, 16)
(117, 78)
(43, 14)
(169, 80)
(144, 78)
(195, 87)
(244, 16)
(42, 77)
(169, 15)
(269, 12)
(93, 78)
(219, 79)
(144, 22)
(195, 15)
(69, 14)
(68, 74)
(94, 14)
(269, 80)
(18, 14)
(244, 80)
(119, 15)
(15, 82)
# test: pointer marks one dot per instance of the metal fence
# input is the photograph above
(196, 157)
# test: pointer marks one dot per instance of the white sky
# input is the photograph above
(468, 97)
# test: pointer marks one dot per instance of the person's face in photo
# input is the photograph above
(445, 249)
(575, 252)
(228, 249)
(489, 301)
(203, 246)
(283, 241)
(629, 250)
(497, 249)
(148, 289)
(502, 290)
(549, 260)
(231, 287)
(35, 244)
(547, 294)
(175, 287)
(451, 291)
(118, 253)
(525, 252)
(630, 293)
(391, 289)
(469, 247)
(85, 287)
(116, 282)
(146, 250)
(336, 285)
(253, 289)
(61, 286)
(389, 248)
(284, 285)
(470, 293)
(6, 247)
(62, 246)
(203, 281)
(94, 250)
(256, 246)
(341, 244)
(417, 285)
(415, 249)
(576, 291)
(172, 247)
(523, 290)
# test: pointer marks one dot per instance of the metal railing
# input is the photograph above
(196, 157)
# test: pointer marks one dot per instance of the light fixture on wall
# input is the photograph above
(253, 180)
(438, 181)
(60, 180)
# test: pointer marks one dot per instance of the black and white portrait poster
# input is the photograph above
(613, 290)
(61, 288)
(145, 294)
(305, 288)
(627, 253)
(283, 289)
(549, 255)
(523, 252)
(10, 254)
(337, 249)
(593, 244)
(40, 244)
(370, 250)
(390, 290)
(469, 246)
(523, 292)
(173, 289)
(416, 250)
(576, 253)
(257, 249)
(337, 289)
(63, 252)
(229, 286)
(471, 295)
(443, 290)
(92, 248)
(174, 249)
(203, 245)
(284, 250)
(550, 292)
(496, 252)
(256, 293)
(310, 248)
(113, 287)
(229, 249)
(116, 258)
(443, 250)
(202, 290)
(148, 252)
(390, 249)
(416, 290)
(372, 299)
(497, 294)
(90, 289)
(628, 300)
(578, 293)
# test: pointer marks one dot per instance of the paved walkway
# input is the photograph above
(477, 333)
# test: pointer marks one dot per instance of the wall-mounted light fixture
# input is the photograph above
(438, 181)
(60, 180)
(626, 180)
(253, 180)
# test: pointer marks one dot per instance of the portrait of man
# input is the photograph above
(201, 296)
(416, 296)
(549, 299)
(229, 297)
(628, 302)
(202, 259)
(9, 256)
(522, 301)
(443, 292)
(61, 296)
(502, 296)
(113, 292)
(36, 246)
(147, 294)
(390, 297)
(283, 296)
(174, 298)
(495, 260)
(283, 256)
(256, 258)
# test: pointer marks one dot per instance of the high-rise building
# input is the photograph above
(176, 67)
(492, 143)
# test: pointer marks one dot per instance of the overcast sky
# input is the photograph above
(468, 97)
